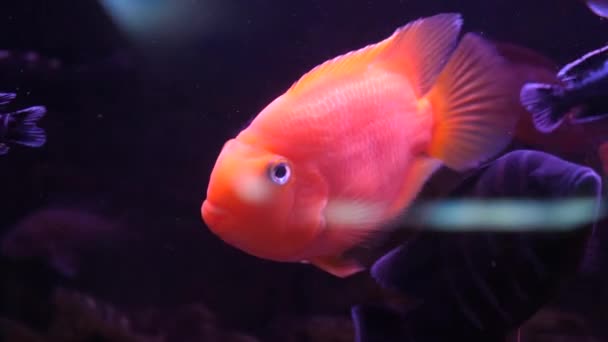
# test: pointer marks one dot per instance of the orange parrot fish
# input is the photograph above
(343, 153)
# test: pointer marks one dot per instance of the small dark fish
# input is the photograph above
(19, 127)
(582, 96)
(599, 7)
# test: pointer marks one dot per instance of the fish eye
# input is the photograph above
(279, 173)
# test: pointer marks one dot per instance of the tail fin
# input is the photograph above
(599, 7)
(23, 129)
(474, 102)
(6, 98)
(538, 99)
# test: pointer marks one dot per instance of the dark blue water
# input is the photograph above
(138, 110)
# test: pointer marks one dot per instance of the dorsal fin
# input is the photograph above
(418, 50)
(588, 63)
(339, 66)
(422, 48)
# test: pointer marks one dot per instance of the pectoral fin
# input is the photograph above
(338, 265)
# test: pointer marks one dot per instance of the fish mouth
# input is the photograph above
(213, 216)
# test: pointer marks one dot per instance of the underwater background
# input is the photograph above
(140, 97)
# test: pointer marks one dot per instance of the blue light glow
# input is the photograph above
(167, 19)
(507, 215)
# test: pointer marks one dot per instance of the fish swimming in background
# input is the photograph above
(599, 7)
(341, 155)
(480, 285)
(582, 97)
(61, 236)
(19, 127)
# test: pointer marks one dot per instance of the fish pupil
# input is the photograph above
(280, 173)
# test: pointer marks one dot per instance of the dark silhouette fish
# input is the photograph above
(20, 127)
(582, 96)
(62, 236)
(481, 286)
(599, 7)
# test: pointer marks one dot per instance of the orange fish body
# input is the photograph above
(348, 147)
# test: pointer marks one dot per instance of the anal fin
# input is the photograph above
(337, 265)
